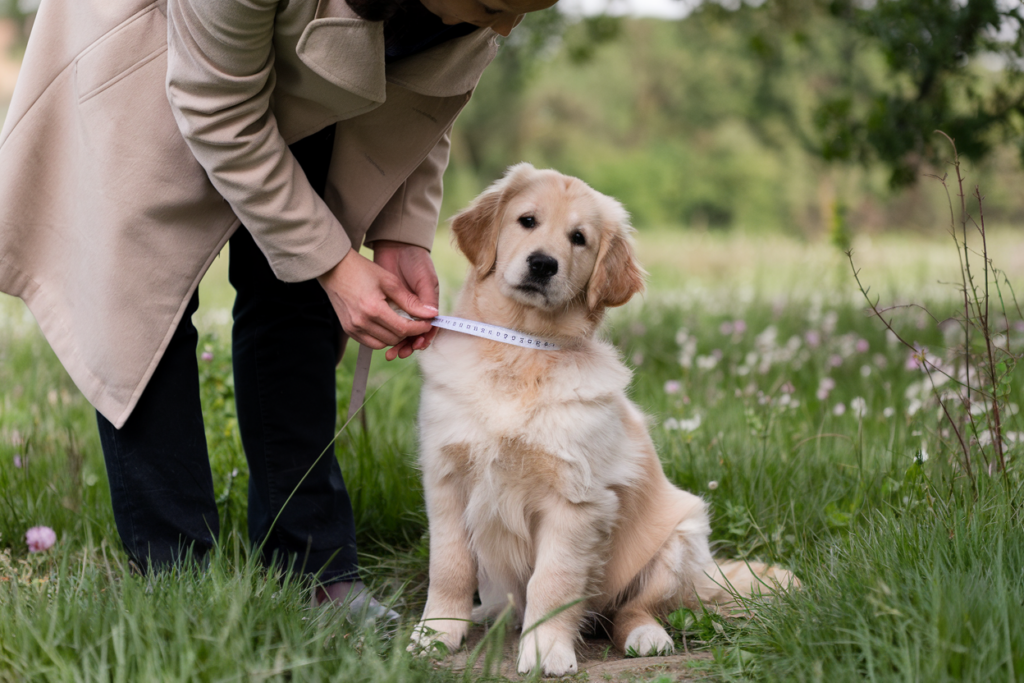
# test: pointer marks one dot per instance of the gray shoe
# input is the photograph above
(359, 605)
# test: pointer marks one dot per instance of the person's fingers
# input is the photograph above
(425, 285)
(400, 326)
(407, 301)
(403, 349)
(375, 315)
(360, 290)
(425, 340)
(383, 327)
(366, 339)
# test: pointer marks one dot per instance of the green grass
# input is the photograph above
(909, 571)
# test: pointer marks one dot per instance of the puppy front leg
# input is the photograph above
(449, 607)
(567, 552)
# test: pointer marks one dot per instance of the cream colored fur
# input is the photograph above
(541, 481)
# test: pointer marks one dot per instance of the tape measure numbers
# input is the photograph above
(501, 334)
(445, 322)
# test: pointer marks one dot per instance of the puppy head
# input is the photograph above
(548, 240)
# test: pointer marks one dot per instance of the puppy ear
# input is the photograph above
(617, 274)
(475, 228)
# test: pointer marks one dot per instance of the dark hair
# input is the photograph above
(379, 10)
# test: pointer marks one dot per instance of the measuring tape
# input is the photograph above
(445, 322)
(501, 334)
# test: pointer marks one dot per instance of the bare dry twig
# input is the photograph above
(984, 376)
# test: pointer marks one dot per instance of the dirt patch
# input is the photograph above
(598, 661)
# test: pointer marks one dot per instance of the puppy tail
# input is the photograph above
(728, 585)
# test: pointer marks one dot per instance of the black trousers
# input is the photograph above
(286, 341)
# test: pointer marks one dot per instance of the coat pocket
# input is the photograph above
(120, 53)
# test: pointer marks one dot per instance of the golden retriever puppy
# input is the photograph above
(541, 481)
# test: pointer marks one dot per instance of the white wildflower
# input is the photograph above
(706, 362)
(690, 425)
(766, 340)
(828, 323)
(859, 407)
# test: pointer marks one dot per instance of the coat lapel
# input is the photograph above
(349, 52)
(451, 68)
(346, 51)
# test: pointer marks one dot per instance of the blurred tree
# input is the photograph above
(951, 65)
(489, 130)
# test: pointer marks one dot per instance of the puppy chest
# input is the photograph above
(498, 466)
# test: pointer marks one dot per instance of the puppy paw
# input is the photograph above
(649, 640)
(437, 636)
(556, 658)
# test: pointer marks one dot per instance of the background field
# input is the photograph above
(909, 571)
(747, 140)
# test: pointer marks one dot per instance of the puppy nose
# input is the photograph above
(541, 265)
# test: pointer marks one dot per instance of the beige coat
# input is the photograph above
(142, 132)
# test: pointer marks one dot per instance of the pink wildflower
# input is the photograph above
(863, 346)
(835, 360)
(920, 359)
(673, 386)
(813, 338)
(725, 328)
(206, 356)
(17, 460)
(825, 387)
(739, 326)
(40, 538)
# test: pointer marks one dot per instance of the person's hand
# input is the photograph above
(360, 290)
(415, 270)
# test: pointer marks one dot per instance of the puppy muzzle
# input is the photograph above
(541, 267)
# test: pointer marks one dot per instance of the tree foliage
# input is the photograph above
(950, 65)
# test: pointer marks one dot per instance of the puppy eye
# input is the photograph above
(578, 239)
(528, 221)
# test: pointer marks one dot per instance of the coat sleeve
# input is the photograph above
(411, 215)
(220, 79)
